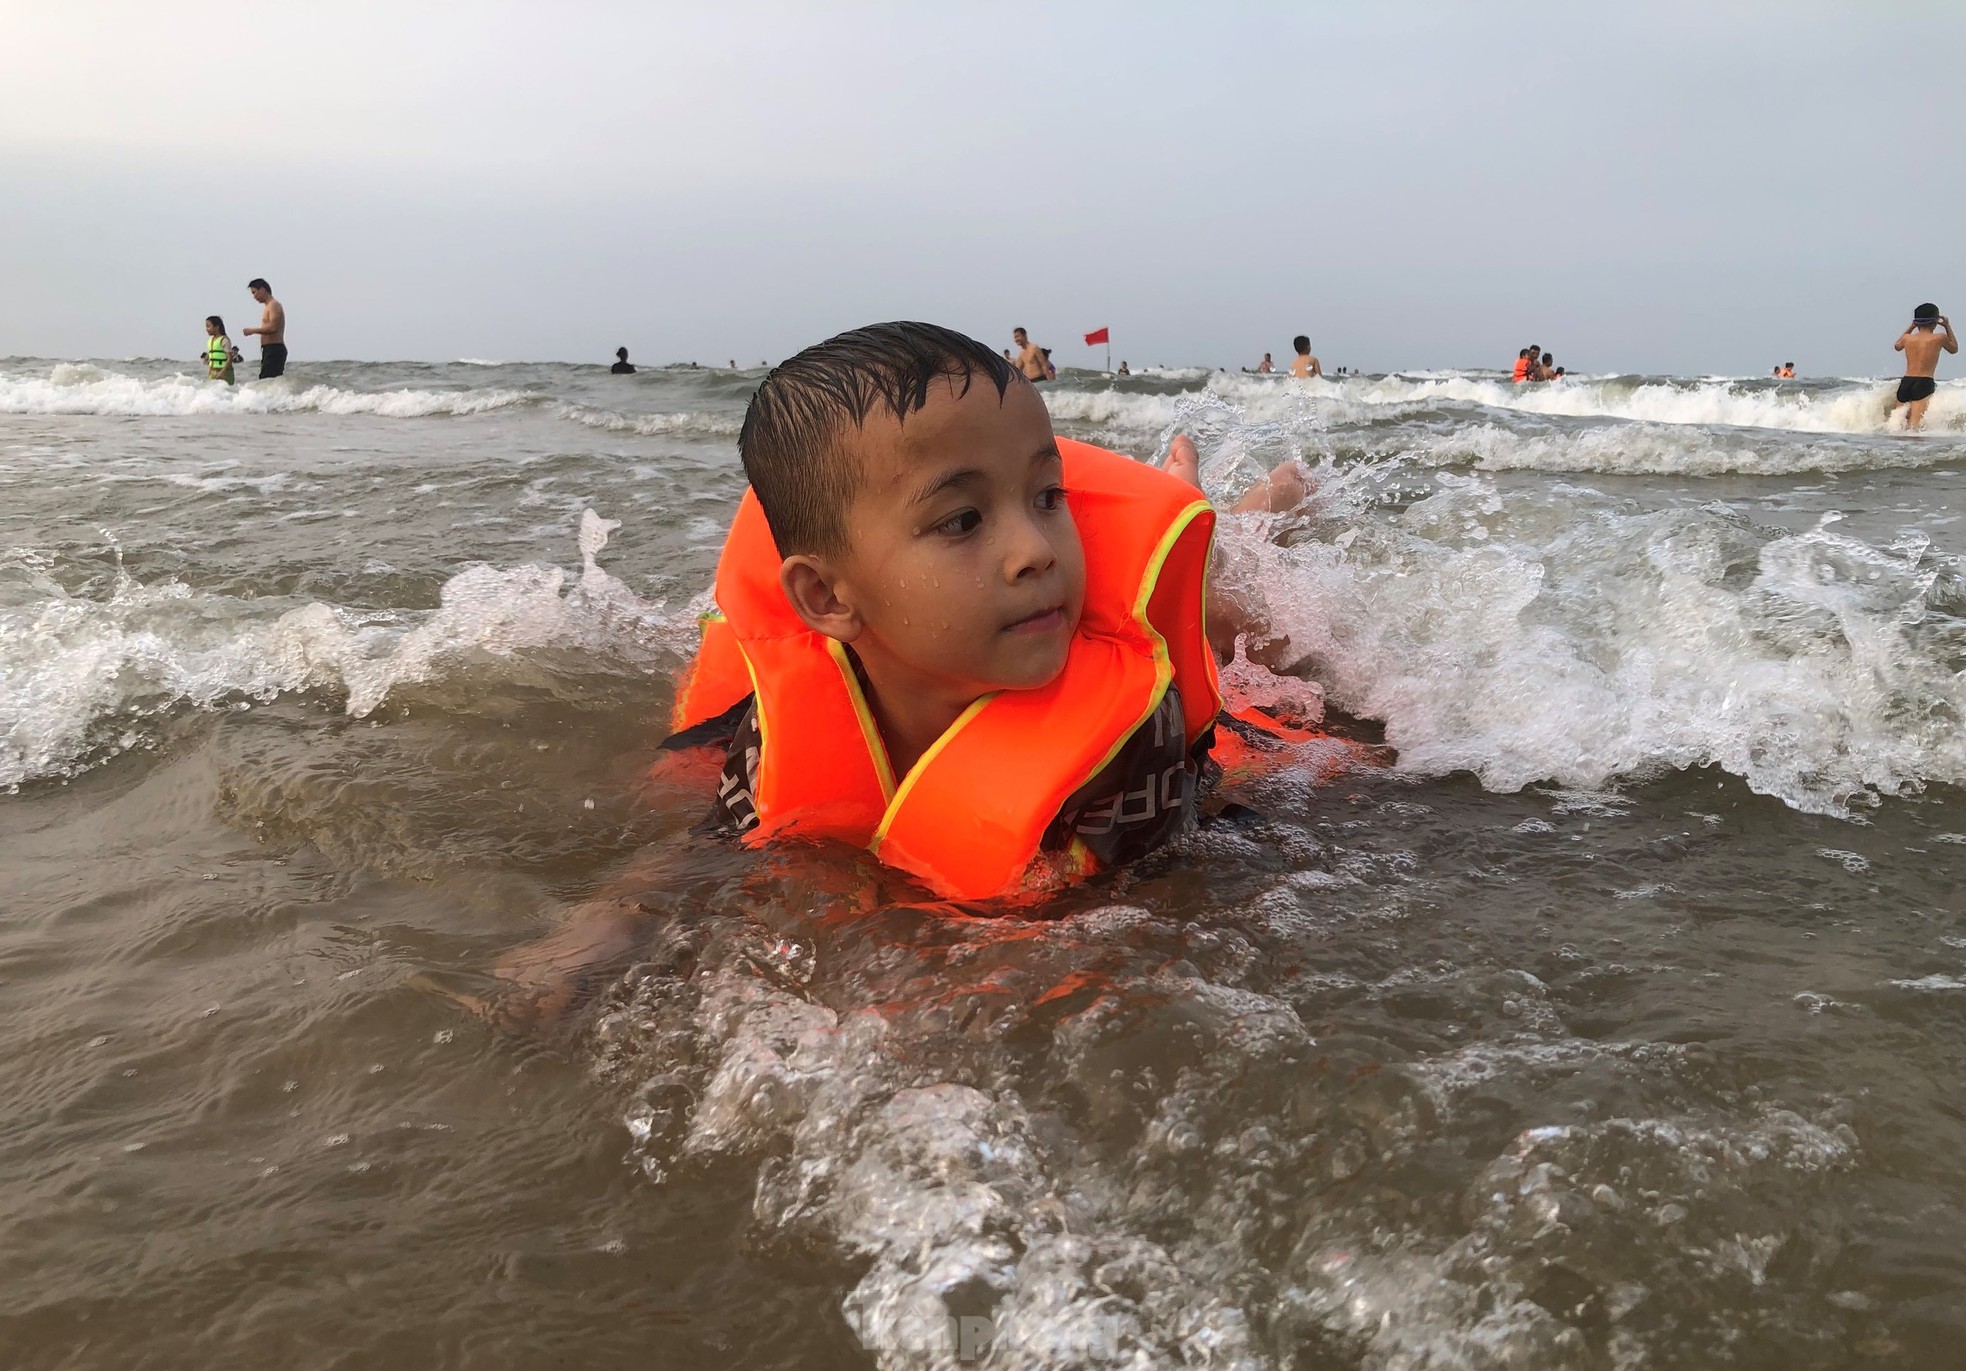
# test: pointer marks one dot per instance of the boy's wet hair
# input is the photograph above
(1925, 314)
(794, 437)
(1302, 342)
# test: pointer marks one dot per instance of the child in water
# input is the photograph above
(943, 612)
(219, 354)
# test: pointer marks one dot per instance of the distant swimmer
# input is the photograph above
(1920, 344)
(1124, 369)
(219, 352)
(1304, 365)
(1546, 369)
(1788, 371)
(1050, 371)
(272, 330)
(622, 366)
(1030, 357)
(1266, 366)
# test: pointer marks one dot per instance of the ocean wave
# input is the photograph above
(79, 677)
(1523, 642)
(81, 388)
(700, 423)
(1852, 408)
(1648, 449)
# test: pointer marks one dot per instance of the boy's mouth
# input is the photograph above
(1047, 620)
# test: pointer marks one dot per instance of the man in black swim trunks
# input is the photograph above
(272, 330)
(1920, 344)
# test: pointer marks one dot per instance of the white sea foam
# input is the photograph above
(81, 388)
(78, 676)
(1530, 640)
(1653, 449)
(690, 422)
(1181, 1159)
(1859, 408)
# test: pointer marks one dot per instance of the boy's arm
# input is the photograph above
(1951, 343)
(1899, 346)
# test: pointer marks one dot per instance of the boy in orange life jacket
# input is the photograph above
(947, 635)
(918, 618)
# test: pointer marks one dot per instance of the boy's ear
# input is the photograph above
(809, 584)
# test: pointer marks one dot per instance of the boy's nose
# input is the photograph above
(1029, 552)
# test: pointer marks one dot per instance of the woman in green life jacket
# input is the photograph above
(218, 350)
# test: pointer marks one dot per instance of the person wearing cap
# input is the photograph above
(1929, 332)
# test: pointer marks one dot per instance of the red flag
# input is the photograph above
(1102, 335)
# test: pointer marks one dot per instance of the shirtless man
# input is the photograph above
(272, 330)
(1304, 365)
(1029, 358)
(1920, 344)
(1266, 366)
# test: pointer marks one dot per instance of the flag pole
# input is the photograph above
(1109, 350)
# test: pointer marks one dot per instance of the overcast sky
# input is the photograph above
(1639, 187)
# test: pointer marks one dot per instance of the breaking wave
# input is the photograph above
(81, 388)
(1853, 407)
(79, 677)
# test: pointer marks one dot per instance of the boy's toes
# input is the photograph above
(1288, 487)
(1183, 460)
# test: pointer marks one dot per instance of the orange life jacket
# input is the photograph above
(1521, 369)
(968, 819)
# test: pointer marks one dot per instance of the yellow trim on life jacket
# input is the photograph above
(870, 731)
(920, 768)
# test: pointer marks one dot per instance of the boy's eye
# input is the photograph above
(1051, 497)
(963, 521)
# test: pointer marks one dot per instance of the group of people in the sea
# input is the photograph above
(1305, 364)
(220, 354)
(1784, 372)
(1534, 364)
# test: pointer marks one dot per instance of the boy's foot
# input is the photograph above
(1183, 460)
(1284, 488)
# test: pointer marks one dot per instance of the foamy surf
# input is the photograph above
(81, 388)
(1496, 640)
(79, 677)
(1853, 408)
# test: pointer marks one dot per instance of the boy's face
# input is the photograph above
(964, 572)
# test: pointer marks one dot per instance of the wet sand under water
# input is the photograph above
(1402, 1072)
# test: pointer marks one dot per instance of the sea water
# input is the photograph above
(1616, 1023)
